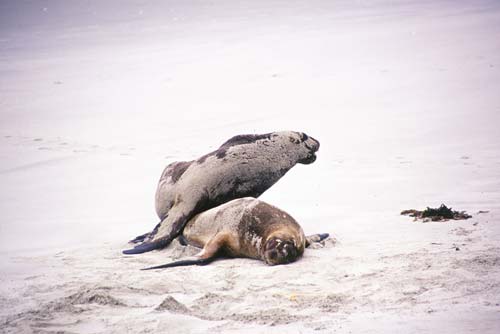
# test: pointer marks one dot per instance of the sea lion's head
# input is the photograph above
(298, 146)
(281, 251)
(301, 145)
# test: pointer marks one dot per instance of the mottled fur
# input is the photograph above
(245, 165)
(245, 227)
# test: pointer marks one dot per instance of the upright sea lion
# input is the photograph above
(244, 227)
(245, 165)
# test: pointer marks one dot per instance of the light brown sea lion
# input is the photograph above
(245, 227)
(245, 165)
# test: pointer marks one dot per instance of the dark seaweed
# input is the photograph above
(442, 213)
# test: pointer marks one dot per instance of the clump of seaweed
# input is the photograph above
(443, 213)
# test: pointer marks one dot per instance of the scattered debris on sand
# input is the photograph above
(443, 213)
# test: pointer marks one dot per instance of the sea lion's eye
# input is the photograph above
(273, 254)
(272, 244)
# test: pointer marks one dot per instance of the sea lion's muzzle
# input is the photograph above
(313, 146)
(278, 251)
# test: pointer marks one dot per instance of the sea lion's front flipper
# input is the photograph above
(310, 239)
(209, 253)
(199, 262)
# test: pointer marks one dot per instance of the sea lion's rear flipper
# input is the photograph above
(163, 234)
(182, 240)
(139, 238)
(310, 239)
(149, 245)
(209, 253)
(143, 237)
(144, 247)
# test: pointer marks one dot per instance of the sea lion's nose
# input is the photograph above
(316, 143)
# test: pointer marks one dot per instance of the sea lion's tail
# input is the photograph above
(310, 239)
(198, 262)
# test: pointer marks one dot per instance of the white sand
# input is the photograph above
(95, 99)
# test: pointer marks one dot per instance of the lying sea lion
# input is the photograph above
(244, 227)
(245, 165)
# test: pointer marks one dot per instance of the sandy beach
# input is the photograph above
(96, 98)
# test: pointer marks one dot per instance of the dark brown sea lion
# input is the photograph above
(245, 165)
(244, 227)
